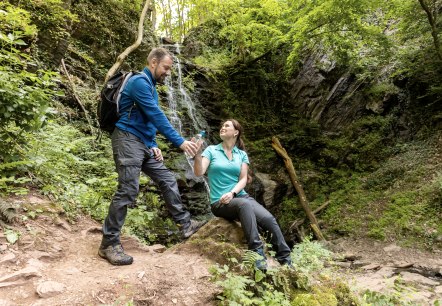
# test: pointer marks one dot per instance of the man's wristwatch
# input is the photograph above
(234, 193)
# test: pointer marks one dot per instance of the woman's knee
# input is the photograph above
(268, 222)
(246, 206)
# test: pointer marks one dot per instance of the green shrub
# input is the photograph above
(25, 96)
(307, 284)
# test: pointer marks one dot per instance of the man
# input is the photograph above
(135, 149)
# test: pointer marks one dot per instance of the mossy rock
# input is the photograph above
(318, 297)
(219, 240)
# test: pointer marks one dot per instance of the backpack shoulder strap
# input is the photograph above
(120, 91)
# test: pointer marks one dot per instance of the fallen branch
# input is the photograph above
(122, 56)
(72, 86)
(294, 178)
(299, 222)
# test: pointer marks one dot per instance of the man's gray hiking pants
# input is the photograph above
(131, 157)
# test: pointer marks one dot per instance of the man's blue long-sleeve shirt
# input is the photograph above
(145, 118)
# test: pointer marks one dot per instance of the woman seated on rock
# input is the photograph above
(227, 165)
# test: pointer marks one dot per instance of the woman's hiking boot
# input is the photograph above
(287, 262)
(115, 255)
(261, 263)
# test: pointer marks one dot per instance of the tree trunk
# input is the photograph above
(294, 178)
(432, 19)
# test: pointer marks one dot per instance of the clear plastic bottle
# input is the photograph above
(197, 138)
(200, 136)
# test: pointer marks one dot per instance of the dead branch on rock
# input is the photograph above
(122, 56)
(295, 181)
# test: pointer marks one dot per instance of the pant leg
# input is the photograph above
(168, 185)
(242, 209)
(129, 153)
(268, 223)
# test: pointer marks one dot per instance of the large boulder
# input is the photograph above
(219, 240)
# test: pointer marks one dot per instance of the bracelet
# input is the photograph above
(234, 193)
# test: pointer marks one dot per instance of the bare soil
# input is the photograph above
(63, 256)
(54, 250)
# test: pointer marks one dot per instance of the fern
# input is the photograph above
(8, 211)
(249, 259)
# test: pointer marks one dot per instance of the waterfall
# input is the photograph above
(180, 101)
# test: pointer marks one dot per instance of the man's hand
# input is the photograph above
(157, 154)
(189, 147)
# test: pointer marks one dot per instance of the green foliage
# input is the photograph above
(115, 26)
(8, 211)
(393, 299)
(15, 24)
(309, 256)
(25, 96)
(290, 209)
(215, 61)
(72, 169)
(361, 146)
(400, 200)
(407, 215)
(69, 169)
(262, 289)
(9, 184)
(12, 236)
(50, 15)
(150, 221)
(243, 285)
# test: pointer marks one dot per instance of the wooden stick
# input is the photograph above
(72, 85)
(295, 181)
(299, 222)
(122, 56)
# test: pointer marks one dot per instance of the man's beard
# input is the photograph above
(160, 78)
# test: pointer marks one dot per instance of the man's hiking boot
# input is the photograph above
(192, 228)
(115, 255)
(261, 263)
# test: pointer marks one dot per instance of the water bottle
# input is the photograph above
(198, 137)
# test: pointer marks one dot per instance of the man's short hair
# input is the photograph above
(159, 54)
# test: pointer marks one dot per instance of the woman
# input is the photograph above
(227, 165)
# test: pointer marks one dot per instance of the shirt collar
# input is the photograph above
(150, 76)
(220, 148)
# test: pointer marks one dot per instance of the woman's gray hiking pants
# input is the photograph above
(251, 214)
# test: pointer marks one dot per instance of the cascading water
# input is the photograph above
(180, 101)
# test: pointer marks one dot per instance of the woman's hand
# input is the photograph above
(199, 144)
(226, 198)
(157, 154)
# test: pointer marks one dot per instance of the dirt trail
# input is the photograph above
(413, 275)
(56, 263)
(67, 255)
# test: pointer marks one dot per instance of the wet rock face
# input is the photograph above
(327, 94)
(267, 191)
(194, 193)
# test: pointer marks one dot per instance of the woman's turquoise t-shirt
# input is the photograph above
(223, 173)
